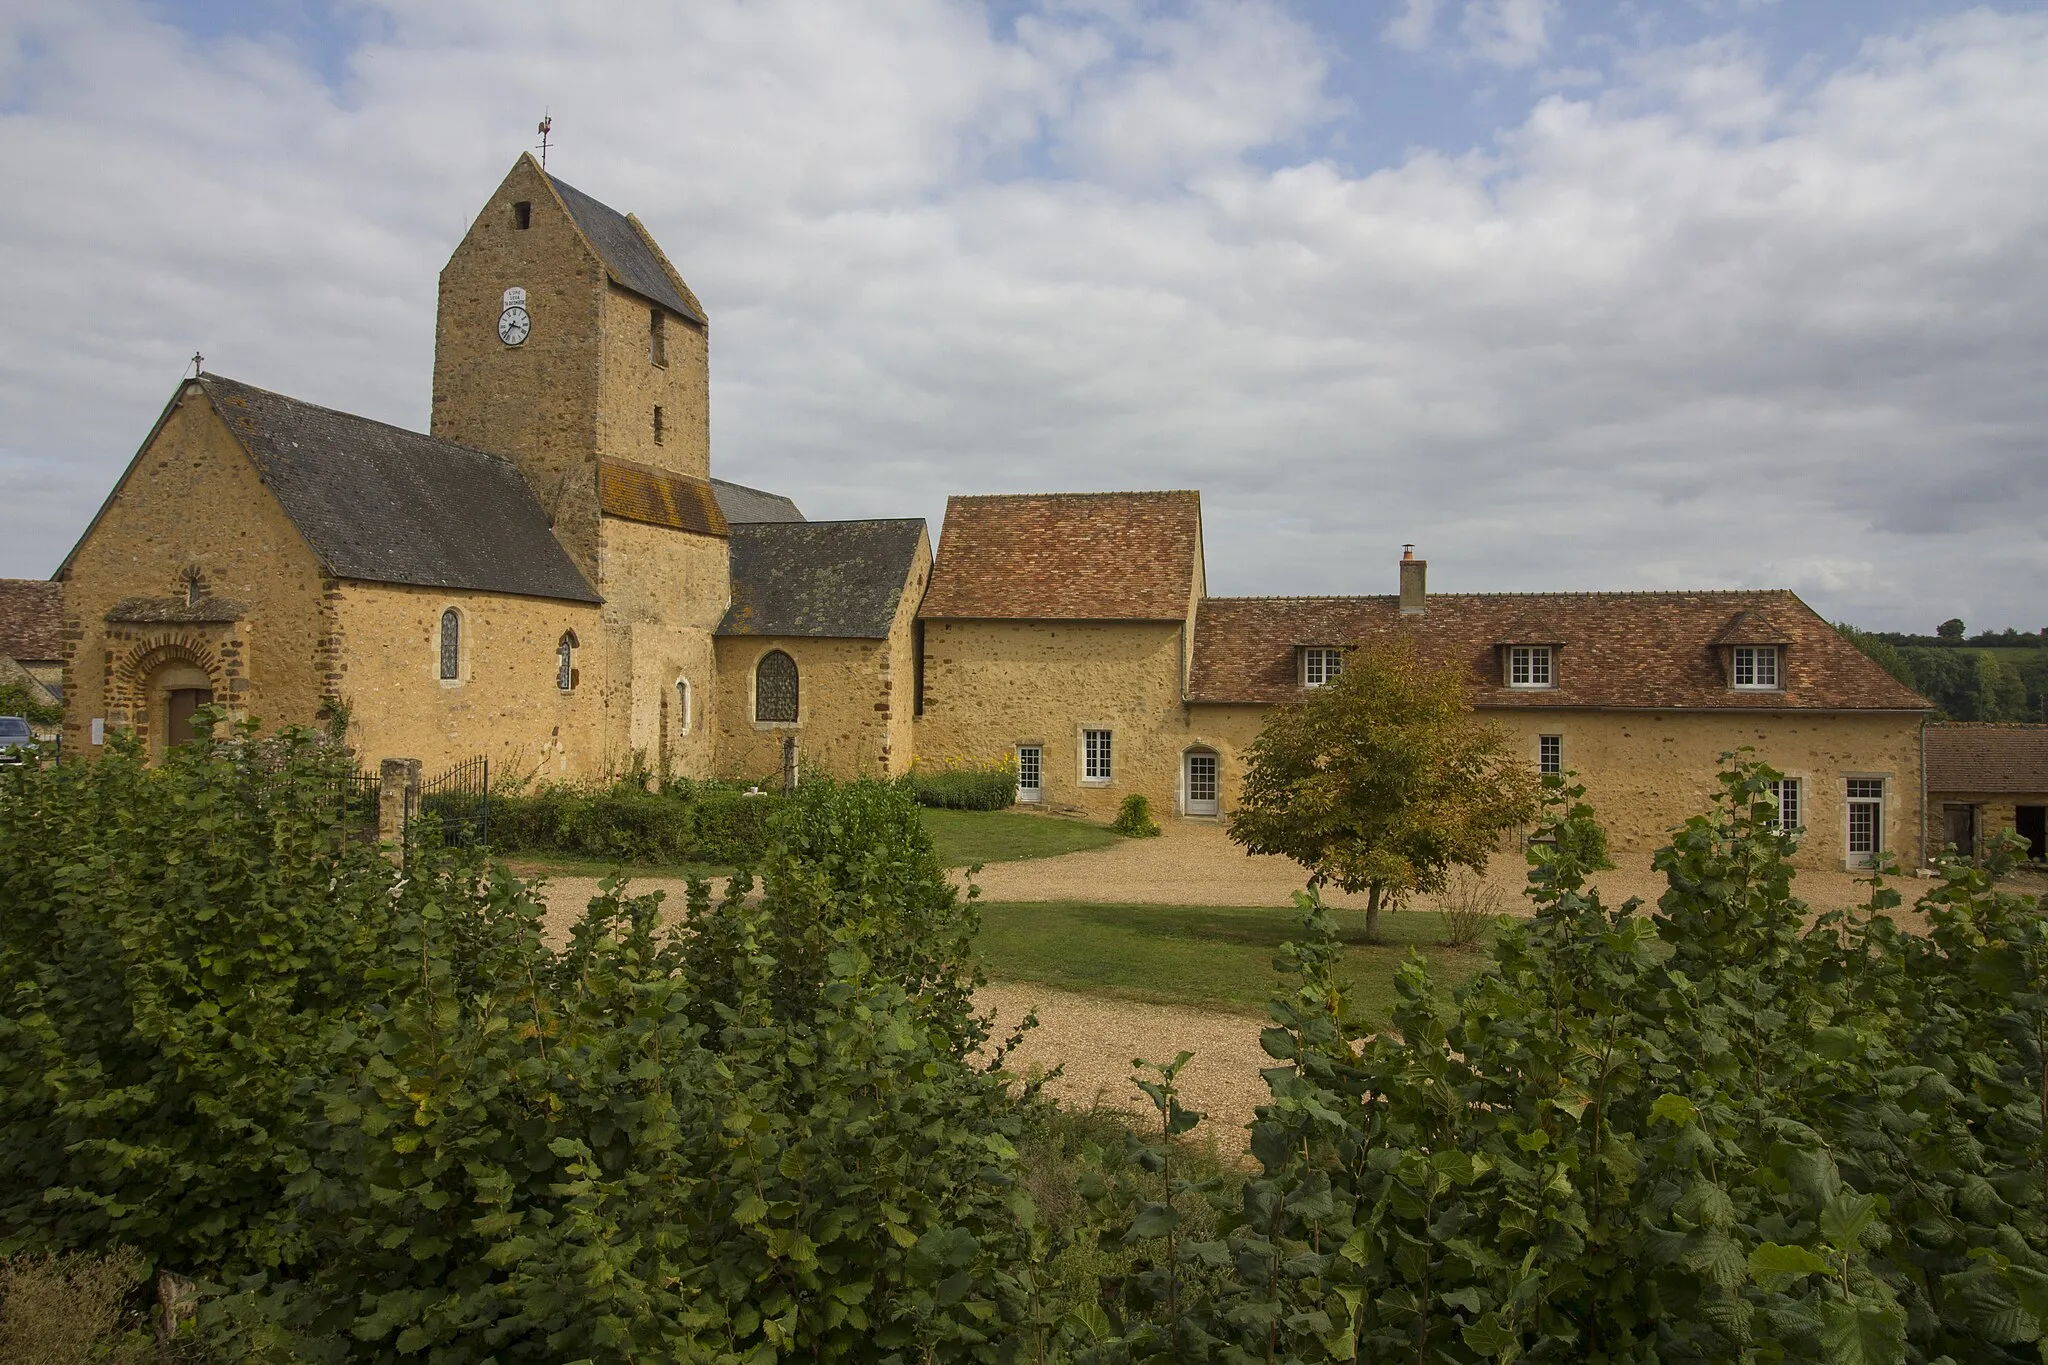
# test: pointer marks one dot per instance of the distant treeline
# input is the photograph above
(1967, 678)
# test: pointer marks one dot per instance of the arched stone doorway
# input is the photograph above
(160, 686)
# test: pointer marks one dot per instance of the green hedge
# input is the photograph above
(992, 788)
(686, 822)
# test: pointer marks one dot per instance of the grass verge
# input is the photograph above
(966, 837)
(1210, 957)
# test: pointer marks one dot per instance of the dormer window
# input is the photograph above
(1320, 664)
(1530, 666)
(1756, 668)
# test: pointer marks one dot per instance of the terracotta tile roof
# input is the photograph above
(1651, 649)
(31, 619)
(1067, 557)
(1987, 758)
(638, 492)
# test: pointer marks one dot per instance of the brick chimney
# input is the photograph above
(1414, 577)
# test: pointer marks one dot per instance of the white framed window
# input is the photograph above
(1096, 759)
(1756, 667)
(1791, 814)
(1866, 818)
(1530, 666)
(1320, 664)
(682, 706)
(1549, 754)
(1030, 773)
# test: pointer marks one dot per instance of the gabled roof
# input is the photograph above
(741, 503)
(1967, 758)
(628, 256)
(1650, 650)
(31, 619)
(830, 579)
(386, 505)
(1067, 557)
(1753, 626)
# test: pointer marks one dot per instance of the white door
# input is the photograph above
(1866, 820)
(1030, 774)
(1201, 784)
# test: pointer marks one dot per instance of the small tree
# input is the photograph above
(1951, 629)
(1382, 781)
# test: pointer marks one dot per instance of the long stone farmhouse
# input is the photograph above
(552, 578)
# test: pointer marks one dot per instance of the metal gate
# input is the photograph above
(453, 808)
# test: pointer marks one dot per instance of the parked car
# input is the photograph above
(15, 736)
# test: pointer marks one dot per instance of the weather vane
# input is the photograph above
(546, 123)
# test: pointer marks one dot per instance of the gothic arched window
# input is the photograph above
(565, 662)
(451, 645)
(775, 687)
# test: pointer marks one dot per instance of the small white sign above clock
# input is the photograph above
(515, 322)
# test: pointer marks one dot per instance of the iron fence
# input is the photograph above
(453, 808)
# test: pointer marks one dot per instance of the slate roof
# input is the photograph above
(31, 619)
(386, 505)
(627, 256)
(1966, 758)
(1067, 557)
(828, 579)
(1652, 650)
(741, 503)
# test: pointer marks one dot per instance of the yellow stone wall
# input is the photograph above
(839, 731)
(535, 403)
(1646, 772)
(506, 704)
(1994, 814)
(631, 385)
(992, 685)
(665, 591)
(192, 500)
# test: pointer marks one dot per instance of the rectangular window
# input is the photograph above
(1320, 665)
(1529, 666)
(1756, 667)
(1550, 753)
(1866, 818)
(1789, 814)
(657, 424)
(1030, 773)
(522, 215)
(1095, 757)
(657, 338)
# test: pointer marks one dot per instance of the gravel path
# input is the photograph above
(1095, 1041)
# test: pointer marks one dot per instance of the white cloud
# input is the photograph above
(1699, 327)
(1510, 33)
(1412, 27)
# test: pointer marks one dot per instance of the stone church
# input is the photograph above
(552, 578)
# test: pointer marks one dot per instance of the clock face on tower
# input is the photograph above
(513, 325)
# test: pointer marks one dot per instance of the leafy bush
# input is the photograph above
(1766, 1142)
(1134, 818)
(387, 1120)
(984, 786)
(685, 822)
(16, 700)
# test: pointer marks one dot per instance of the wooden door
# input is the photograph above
(183, 701)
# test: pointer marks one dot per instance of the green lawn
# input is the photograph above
(966, 837)
(1211, 957)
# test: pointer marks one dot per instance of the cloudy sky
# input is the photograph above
(1575, 294)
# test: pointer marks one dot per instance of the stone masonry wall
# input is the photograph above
(192, 503)
(506, 705)
(843, 721)
(992, 685)
(1646, 772)
(536, 403)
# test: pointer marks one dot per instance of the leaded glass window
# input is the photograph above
(451, 645)
(565, 662)
(775, 688)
